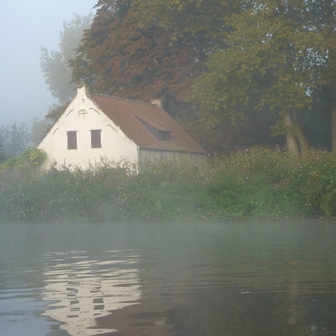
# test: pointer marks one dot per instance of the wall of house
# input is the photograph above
(151, 155)
(83, 116)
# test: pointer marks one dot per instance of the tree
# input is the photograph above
(206, 18)
(3, 156)
(323, 20)
(55, 111)
(314, 17)
(145, 49)
(39, 130)
(14, 140)
(123, 55)
(271, 65)
(148, 49)
(54, 64)
(264, 57)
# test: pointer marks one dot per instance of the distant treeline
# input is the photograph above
(254, 184)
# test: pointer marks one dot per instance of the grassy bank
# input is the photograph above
(258, 183)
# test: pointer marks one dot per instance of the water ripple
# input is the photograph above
(82, 291)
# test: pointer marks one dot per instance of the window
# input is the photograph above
(164, 135)
(96, 139)
(72, 139)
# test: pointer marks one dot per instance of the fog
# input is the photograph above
(25, 26)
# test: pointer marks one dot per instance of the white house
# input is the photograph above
(96, 127)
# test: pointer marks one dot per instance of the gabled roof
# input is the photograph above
(128, 115)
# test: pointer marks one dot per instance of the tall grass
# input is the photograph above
(259, 183)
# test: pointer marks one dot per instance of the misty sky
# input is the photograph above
(25, 26)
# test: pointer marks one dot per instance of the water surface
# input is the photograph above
(209, 279)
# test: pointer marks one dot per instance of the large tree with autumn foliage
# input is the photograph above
(272, 58)
(122, 56)
(133, 50)
(253, 60)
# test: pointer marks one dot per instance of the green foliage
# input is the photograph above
(254, 184)
(32, 157)
(201, 18)
(267, 64)
(315, 175)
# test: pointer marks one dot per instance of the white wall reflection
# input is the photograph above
(83, 289)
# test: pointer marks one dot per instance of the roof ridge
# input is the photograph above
(121, 98)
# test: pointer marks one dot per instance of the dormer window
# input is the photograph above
(157, 130)
(164, 135)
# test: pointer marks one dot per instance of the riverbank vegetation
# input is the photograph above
(257, 183)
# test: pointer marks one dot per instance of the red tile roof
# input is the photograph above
(126, 114)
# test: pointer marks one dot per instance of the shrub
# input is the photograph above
(259, 183)
(32, 157)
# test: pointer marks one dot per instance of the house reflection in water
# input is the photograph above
(82, 289)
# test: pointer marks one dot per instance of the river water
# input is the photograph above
(181, 279)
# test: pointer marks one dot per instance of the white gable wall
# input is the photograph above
(82, 116)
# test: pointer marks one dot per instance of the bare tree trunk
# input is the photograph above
(303, 143)
(302, 140)
(291, 139)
